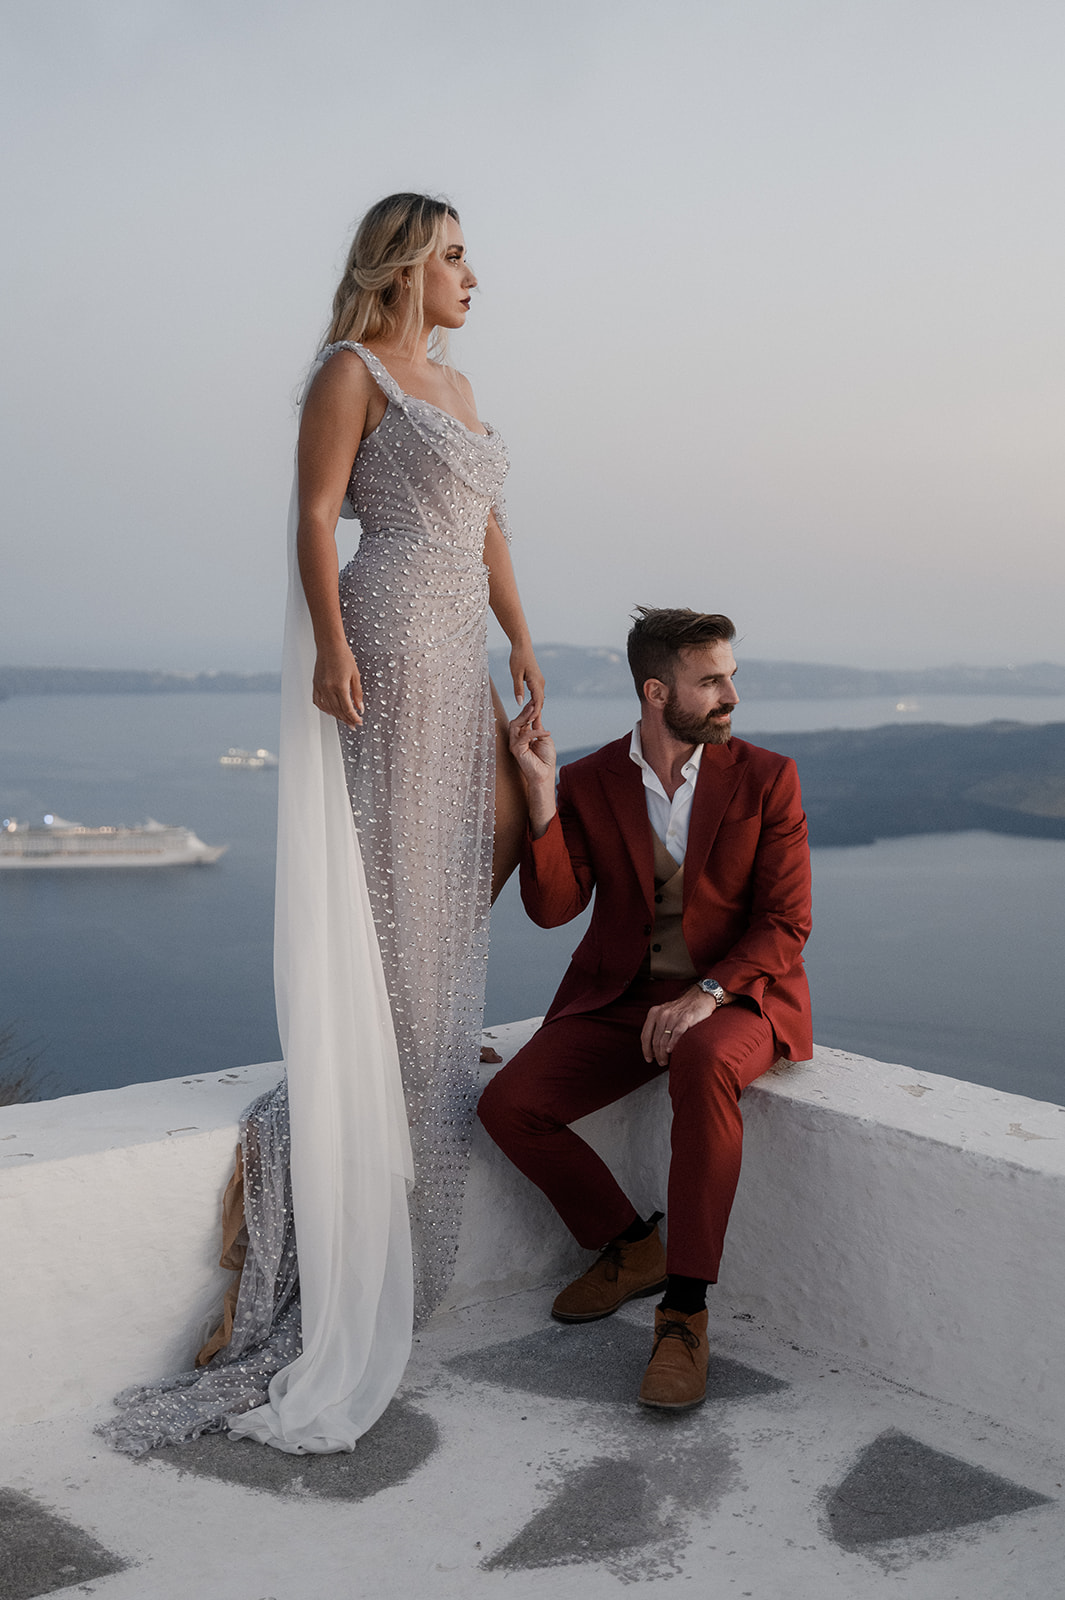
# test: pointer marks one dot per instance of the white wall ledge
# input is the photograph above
(908, 1222)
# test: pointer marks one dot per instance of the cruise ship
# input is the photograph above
(250, 760)
(57, 843)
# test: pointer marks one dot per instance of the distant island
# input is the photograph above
(121, 680)
(584, 671)
(599, 671)
(859, 785)
(864, 784)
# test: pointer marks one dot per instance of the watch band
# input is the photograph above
(711, 986)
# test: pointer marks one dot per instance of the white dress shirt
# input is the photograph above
(669, 818)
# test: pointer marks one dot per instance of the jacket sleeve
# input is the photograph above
(556, 873)
(780, 915)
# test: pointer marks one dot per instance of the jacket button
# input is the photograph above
(658, 899)
(647, 928)
(656, 948)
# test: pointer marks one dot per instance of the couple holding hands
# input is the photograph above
(393, 840)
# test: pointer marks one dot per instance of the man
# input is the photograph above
(695, 844)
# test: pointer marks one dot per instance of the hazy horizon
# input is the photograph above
(191, 670)
(770, 309)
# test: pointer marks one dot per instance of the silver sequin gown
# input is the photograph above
(420, 773)
(420, 780)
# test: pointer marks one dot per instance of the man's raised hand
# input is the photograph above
(534, 750)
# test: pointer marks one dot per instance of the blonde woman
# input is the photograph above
(385, 866)
(391, 433)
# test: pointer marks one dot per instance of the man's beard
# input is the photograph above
(690, 729)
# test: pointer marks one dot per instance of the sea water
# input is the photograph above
(942, 952)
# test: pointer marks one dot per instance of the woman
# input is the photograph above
(408, 617)
(379, 972)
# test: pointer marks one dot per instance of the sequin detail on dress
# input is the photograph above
(419, 778)
(420, 770)
(266, 1327)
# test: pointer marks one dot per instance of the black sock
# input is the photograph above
(641, 1230)
(687, 1295)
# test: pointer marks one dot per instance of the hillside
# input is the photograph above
(593, 671)
(121, 680)
(584, 671)
(864, 784)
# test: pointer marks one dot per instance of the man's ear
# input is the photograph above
(655, 692)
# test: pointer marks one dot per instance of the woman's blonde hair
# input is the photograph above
(394, 240)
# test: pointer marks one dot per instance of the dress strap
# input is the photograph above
(376, 368)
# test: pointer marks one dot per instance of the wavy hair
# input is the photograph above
(394, 240)
(657, 638)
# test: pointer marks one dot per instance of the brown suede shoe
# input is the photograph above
(676, 1373)
(623, 1272)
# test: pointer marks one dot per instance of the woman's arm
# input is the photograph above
(503, 596)
(334, 420)
(504, 600)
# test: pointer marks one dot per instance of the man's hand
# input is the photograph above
(534, 750)
(666, 1023)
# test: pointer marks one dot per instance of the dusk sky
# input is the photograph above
(770, 316)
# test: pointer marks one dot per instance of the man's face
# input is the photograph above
(699, 706)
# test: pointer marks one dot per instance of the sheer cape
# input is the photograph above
(330, 1187)
(350, 1151)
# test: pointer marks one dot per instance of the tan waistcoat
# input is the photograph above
(668, 955)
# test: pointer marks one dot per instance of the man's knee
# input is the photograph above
(495, 1108)
(507, 1105)
(712, 1064)
(696, 1070)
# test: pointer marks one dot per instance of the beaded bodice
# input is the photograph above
(422, 474)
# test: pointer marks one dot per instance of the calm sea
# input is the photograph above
(943, 952)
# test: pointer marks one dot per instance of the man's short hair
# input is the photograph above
(657, 638)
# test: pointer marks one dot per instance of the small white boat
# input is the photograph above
(57, 843)
(250, 760)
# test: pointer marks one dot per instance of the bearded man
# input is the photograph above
(695, 846)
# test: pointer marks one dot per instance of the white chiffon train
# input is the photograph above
(323, 1322)
(350, 1151)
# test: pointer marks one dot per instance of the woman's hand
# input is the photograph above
(337, 685)
(525, 672)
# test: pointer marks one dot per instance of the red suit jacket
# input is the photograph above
(746, 881)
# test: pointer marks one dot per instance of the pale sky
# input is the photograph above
(770, 311)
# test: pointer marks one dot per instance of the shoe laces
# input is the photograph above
(677, 1328)
(611, 1259)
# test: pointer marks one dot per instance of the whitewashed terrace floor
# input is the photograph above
(516, 1463)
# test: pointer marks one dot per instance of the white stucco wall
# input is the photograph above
(911, 1222)
(908, 1222)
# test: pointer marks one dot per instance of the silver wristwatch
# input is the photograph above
(711, 986)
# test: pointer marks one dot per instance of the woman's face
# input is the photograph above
(448, 282)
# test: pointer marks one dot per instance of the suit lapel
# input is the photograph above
(623, 789)
(719, 775)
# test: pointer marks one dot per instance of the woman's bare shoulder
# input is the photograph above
(342, 383)
(344, 368)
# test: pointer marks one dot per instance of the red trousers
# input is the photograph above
(576, 1064)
